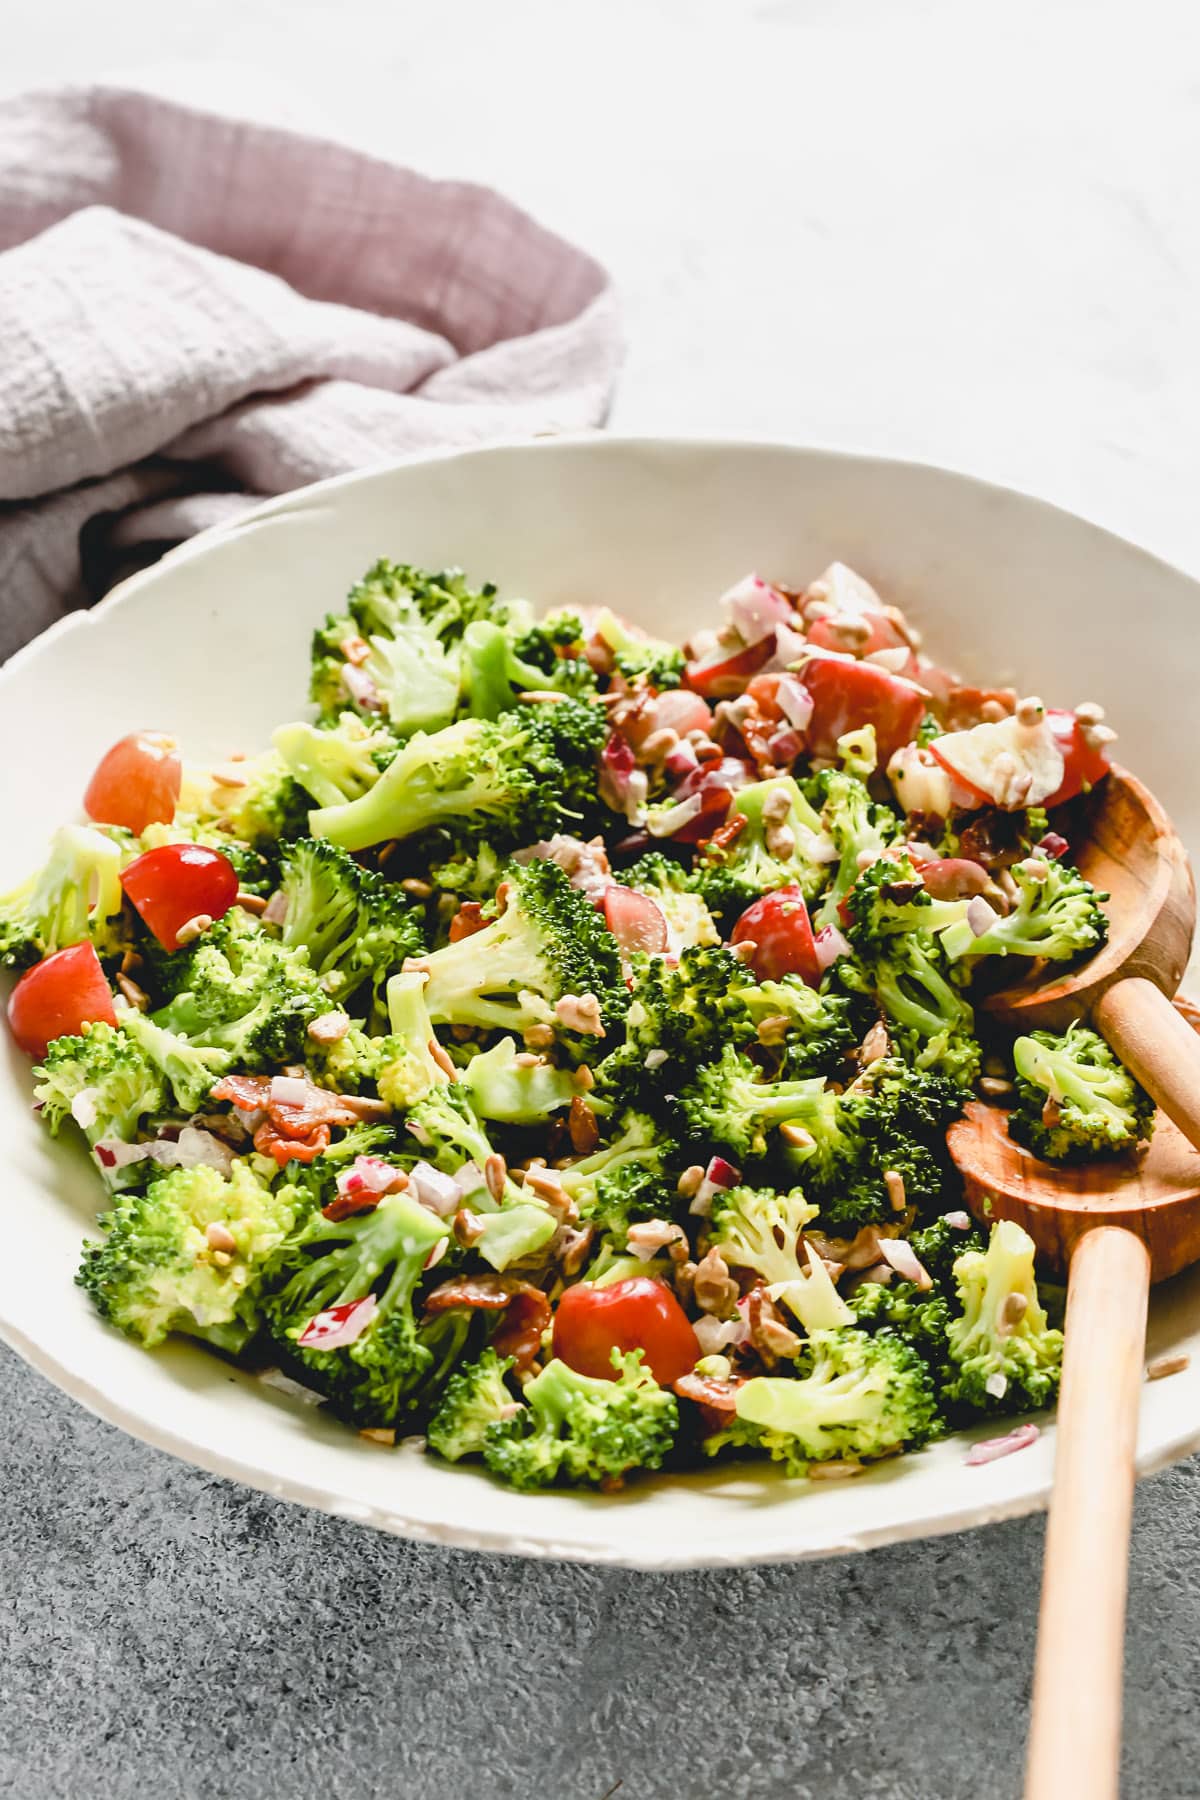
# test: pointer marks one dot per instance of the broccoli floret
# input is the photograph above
(1057, 916)
(921, 1315)
(77, 895)
(411, 1069)
(337, 764)
(383, 1376)
(939, 1245)
(189, 1254)
(626, 1178)
(855, 1396)
(641, 659)
(476, 1396)
(555, 646)
(451, 1134)
(104, 1082)
(728, 1103)
(400, 650)
(472, 872)
(494, 673)
(356, 927)
(857, 827)
(773, 849)
(256, 802)
(903, 965)
(1007, 1357)
(190, 1070)
(673, 889)
(238, 990)
(583, 1431)
(763, 1232)
(677, 1016)
(815, 1031)
(1075, 1100)
(547, 943)
(391, 594)
(524, 774)
(510, 1086)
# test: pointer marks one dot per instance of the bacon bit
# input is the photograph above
(250, 1092)
(728, 833)
(305, 1149)
(991, 1449)
(349, 1205)
(715, 1396)
(582, 1125)
(526, 1307)
(467, 921)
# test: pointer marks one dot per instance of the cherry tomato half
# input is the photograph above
(60, 996)
(823, 634)
(635, 920)
(724, 677)
(136, 783)
(639, 1314)
(848, 695)
(779, 926)
(178, 882)
(1083, 767)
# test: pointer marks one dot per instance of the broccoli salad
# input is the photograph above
(545, 1052)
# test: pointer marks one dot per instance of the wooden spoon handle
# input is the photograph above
(1075, 1739)
(1158, 1044)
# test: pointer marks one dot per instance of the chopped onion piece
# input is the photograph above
(370, 1175)
(338, 1325)
(276, 910)
(361, 688)
(718, 1176)
(958, 1221)
(668, 820)
(755, 609)
(84, 1110)
(829, 944)
(290, 1090)
(794, 701)
(903, 1258)
(714, 1334)
(437, 1192)
(980, 916)
(991, 1449)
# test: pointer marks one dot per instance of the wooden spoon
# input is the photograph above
(1114, 1228)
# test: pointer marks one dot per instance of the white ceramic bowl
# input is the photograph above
(213, 645)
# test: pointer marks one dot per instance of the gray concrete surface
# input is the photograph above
(164, 1633)
(944, 231)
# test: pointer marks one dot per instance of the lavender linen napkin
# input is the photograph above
(197, 311)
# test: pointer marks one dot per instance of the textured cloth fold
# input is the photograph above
(197, 311)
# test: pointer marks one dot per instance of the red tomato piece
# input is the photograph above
(59, 996)
(634, 920)
(723, 677)
(639, 1314)
(780, 928)
(1083, 767)
(764, 691)
(848, 695)
(136, 783)
(176, 883)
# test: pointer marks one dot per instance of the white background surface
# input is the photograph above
(966, 232)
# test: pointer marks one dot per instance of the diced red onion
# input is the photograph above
(361, 688)
(437, 1192)
(829, 944)
(755, 609)
(718, 1176)
(980, 916)
(958, 1221)
(370, 1175)
(794, 701)
(730, 772)
(680, 761)
(1053, 845)
(112, 1153)
(436, 1254)
(585, 865)
(903, 1258)
(785, 746)
(189, 1149)
(713, 1335)
(276, 910)
(275, 1378)
(338, 1325)
(991, 1449)
(654, 1059)
(895, 659)
(678, 709)
(790, 646)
